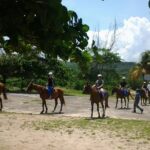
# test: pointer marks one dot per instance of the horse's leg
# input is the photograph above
(56, 102)
(106, 102)
(121, 103)
(42, 106)
(61, 106)
(1, 103)
(146, 100)
(128, 102)
(98, 109)
(103, 109)
(92, 107)
(46, 109)
(125, 103)
(116, 102)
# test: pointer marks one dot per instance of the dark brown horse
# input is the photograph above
(96, 97)
(57, 93)
(144, 97)
(2, 90)
(122, 96)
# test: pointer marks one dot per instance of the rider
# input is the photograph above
(50, 84)
(123, 85)
(137, 100)
(144, 88)
(99, 84)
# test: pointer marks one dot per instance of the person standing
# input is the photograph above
(136, 101)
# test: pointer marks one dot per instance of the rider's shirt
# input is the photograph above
(50, 82)
(123, 84)
(148, 86)
(99, 82)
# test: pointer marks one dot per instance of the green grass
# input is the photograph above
(134, 129)
(72, 92)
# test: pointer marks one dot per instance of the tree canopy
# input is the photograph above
(143, 67)
(46, 24)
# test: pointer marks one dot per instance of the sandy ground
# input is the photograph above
(14, 136)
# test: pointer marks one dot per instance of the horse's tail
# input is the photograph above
(4, 93)
(63, 100)
(106, 100)
(61, 95)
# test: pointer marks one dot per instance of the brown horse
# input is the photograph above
(121, 95)
(87, 90)
(2, 90)
(57, 93)
(144, 97)
(95, 97)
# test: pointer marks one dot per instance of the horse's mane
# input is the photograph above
(40, 86)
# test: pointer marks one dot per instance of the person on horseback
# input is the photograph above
(123, 85)
(144, 88)
(99, 84)
(50, 84)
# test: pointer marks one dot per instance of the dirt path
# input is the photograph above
(18, 130)
(75, 107)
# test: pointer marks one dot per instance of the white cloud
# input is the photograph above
(132, 38)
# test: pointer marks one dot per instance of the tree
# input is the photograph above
(141, 68)
(47, 24)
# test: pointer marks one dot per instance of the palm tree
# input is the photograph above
(141, 68)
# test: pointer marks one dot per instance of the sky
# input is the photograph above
(132, 20)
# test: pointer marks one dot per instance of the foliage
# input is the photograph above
(48, 25)
(141, 68)
(103, 61)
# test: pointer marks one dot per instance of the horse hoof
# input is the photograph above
(41, 112)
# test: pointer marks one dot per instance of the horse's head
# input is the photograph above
(114, 90)
(30, 86)
(87, 89)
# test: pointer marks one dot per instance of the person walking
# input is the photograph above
(136, 101)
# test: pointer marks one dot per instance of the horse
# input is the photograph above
(2, 90)
(121, 95)
(96, 97)
(149, 96)
(87, 90)
(144, 97)
(57, 93)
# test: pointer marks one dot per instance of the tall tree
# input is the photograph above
(141, 68)
(47, 24)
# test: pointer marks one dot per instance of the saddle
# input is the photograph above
(124, 92)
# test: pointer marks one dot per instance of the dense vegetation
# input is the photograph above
(41, 36)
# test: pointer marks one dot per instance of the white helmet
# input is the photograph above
(99, 75)
(123, 77)
(50, 73)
